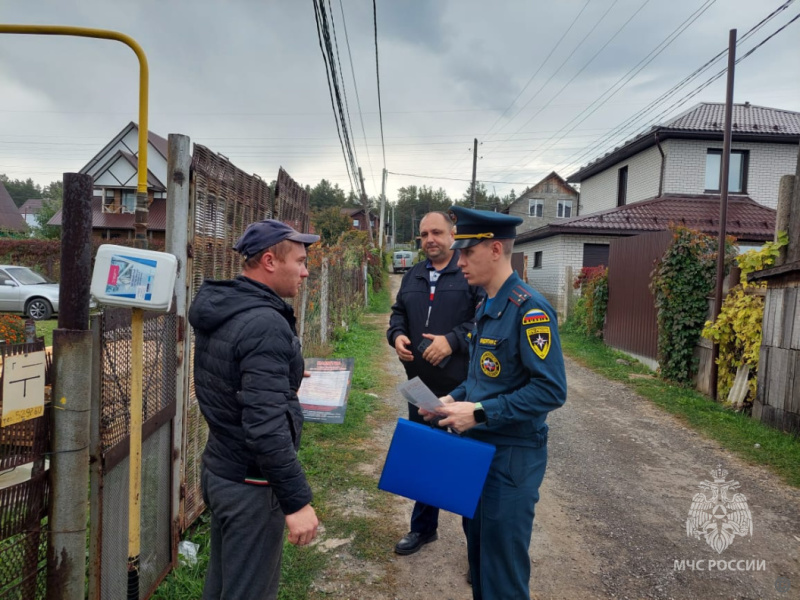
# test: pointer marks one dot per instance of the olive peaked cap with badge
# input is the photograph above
(474, 226)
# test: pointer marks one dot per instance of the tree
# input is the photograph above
(51, 203)
(330, 224)
(20, 190)
(324, 195)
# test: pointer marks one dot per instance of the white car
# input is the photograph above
(25, 291)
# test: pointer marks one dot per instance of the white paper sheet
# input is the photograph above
(419, 394)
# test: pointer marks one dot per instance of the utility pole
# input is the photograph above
(365, 204)
(723, 201)
(394, 227)
(383, 209)
(474, 168)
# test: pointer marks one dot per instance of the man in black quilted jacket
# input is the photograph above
(247, 369)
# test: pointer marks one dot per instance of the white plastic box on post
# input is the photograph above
(135, 278)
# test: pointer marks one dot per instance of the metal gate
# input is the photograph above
(24, 496)
(109, 451)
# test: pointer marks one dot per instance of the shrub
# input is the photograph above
(12, 329)
(681, 282)
(589, 314)
(737, 330)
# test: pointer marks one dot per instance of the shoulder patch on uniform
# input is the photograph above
(519, 295)
(534, 316)
(539, 339)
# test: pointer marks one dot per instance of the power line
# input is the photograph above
(625, 79)
(590, 61)
(378, 76)
(358, 100)
(630, 123)
(454, 178)
(341, 74)
(330, 90)
(532, 77)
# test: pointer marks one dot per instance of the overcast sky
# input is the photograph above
(246, 78)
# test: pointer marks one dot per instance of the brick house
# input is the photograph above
(683, 156)
(555, 254)
(115, 172)
(550, 200)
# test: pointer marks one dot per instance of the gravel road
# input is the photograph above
(611, 521)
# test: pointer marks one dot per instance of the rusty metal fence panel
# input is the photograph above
(110, 452)
(24, 504)
(631, 320)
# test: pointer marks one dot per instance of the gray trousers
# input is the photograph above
(247, 527)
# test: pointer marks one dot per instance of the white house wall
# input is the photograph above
(558, 253)
(121, 172)
(599, 192)
(686, 167)
(156, 163)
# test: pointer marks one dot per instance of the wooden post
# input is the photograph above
(323, 302)
(723, 201)
(785, 193)
(793, 251)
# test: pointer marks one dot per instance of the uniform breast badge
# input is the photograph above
(489, 364)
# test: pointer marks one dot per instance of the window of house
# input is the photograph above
(128, 201)
(737, 178)
(622, 186)
(565, 208)
(108, 201)
(536, 207)
(537, 260)
(355, 222)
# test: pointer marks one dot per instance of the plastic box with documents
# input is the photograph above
(436, 467)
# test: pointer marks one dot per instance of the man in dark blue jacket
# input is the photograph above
(435, 307)
(247, 369)
(516, 377)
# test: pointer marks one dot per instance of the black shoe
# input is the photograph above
(413, 541)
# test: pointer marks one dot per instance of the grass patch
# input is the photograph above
(330, 455)
(735, 431)
(45, 328)
(381, 302)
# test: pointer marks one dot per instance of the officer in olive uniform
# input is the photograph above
(516, 376)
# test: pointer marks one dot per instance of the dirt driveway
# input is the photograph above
(612, 517)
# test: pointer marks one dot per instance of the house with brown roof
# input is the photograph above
(551, 200)
(29, 209)
(115, 172)
(10, 219)
(358, 219)
(556, 253)
(684, 156)
(668, 174)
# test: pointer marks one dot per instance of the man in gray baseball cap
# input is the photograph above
(248, 367)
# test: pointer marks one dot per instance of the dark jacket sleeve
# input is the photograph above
(398, 321)
(457, 338)
(269, 427)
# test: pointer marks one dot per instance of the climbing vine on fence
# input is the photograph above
(590, 310)
(681, 283)
(737, 330)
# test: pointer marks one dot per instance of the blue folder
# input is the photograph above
(436, 467)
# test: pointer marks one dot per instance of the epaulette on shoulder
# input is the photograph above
(519, 295)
